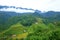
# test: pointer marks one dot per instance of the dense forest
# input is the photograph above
(30, 26)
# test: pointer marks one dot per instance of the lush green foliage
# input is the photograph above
(29, 27)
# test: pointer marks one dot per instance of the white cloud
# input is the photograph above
(43, 5)
(16, 10)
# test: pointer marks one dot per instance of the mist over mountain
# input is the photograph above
(16, 9)
(8, 12)
(12, 10)
(20, 9)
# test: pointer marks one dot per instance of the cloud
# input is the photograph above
(43, 5)
(16, 10)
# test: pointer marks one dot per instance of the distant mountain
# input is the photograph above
(16, 7)
(3, 7)
(50, 16)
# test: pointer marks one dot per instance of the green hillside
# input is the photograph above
(29, 27)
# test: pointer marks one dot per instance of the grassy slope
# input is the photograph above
(37, 30)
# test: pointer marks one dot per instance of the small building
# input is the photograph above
(36, 23)
(24, 31)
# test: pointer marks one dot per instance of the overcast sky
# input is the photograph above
(43, 5)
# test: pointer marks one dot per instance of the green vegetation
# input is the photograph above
(29, 27)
